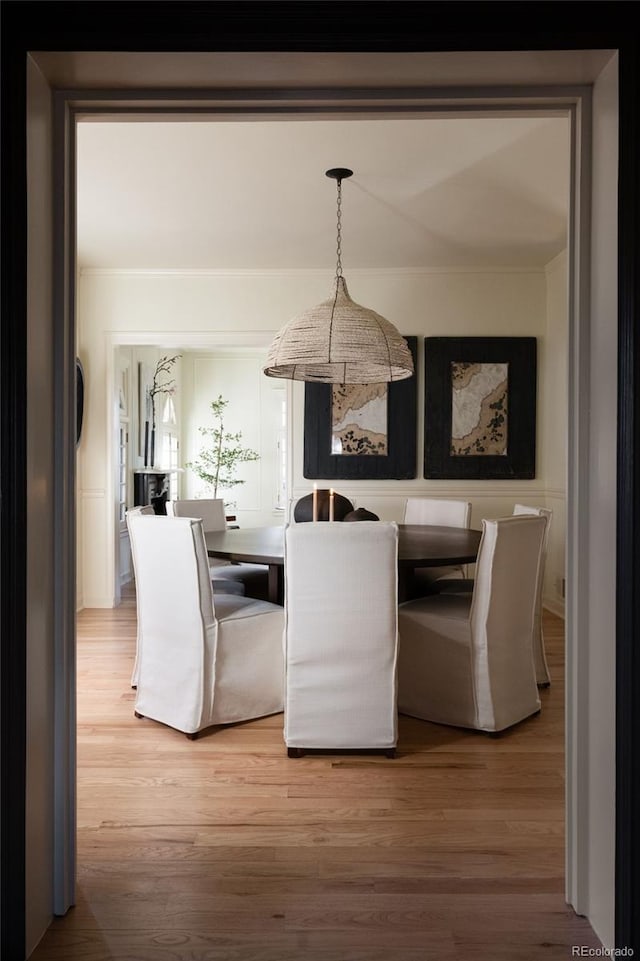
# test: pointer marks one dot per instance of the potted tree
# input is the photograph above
(218, 460)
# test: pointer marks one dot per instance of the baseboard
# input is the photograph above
(556, 607)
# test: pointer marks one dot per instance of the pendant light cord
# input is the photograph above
(339, 231)
(338, 264)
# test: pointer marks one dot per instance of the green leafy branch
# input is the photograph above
(216, 463)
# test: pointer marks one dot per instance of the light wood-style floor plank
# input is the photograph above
(224, 849)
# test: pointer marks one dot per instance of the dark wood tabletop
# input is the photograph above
(419, 545)
(424, 545)
(257, 545)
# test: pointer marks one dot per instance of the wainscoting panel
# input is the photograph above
(95, 560)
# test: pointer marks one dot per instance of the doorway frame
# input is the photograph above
(576, 102)
(225, 342)
(385, 31)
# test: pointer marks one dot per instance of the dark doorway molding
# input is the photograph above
(628, 523)
(308, 26)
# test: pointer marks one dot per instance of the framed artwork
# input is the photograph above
(79, 399)
(361, 431)
(480, 408)
(123, 392)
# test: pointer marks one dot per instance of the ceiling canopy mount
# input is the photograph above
(339, 173)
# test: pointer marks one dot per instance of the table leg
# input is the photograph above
(405, 575)
(276, 583)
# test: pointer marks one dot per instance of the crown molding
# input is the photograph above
(300, 271)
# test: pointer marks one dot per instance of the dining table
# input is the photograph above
(419, 545)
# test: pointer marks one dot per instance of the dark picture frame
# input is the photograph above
(145, 379)
(400, 463)
(79, 399)
(519, 461)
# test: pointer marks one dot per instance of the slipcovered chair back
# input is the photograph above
(502, 614)
(177, 629)
(439, 512)
(466, 659)
(542, 668)
(210, 510)
(434, 510)
(251, 579)
(145, 509)
(136, 512)
(341, 635)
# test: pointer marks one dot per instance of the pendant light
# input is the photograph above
(339, 341)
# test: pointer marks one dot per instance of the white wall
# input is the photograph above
(252, 410)
(95, 511)
(192, 305)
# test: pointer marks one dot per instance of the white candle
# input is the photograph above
(331, 504)
(315, 502)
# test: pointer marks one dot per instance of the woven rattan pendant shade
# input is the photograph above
(339, 341)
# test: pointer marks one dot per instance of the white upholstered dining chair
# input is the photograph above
(440, 512)
(543, 678)
(254, 578)
(210, 510)
(467, 659)
(144, 509)
(341, 637)
(219, 585)
(134, 512)
(203, 659)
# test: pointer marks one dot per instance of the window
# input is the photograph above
(170, 458)
(123, 471)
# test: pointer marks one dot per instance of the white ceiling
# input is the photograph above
(429, 192)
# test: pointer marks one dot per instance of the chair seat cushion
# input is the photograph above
(226, 585)
(231, 607)
(456, 607)
(435, 664)
(466, 659)
(454, 585)
(255, 578)
(427, 580)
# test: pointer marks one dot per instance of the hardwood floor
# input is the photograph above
(223, 849)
